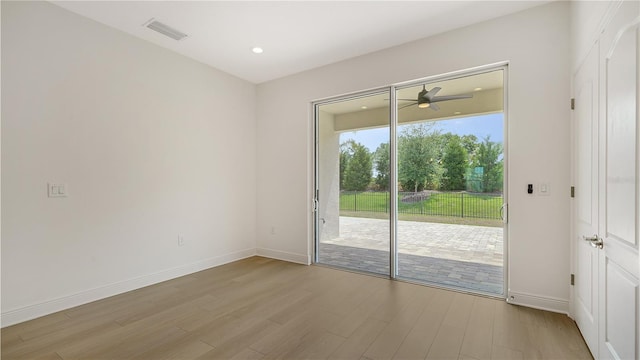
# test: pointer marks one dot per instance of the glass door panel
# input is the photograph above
(352, 182)
(450, 143)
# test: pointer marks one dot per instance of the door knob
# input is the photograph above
(594, 240)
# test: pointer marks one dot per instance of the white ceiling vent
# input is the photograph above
(166, 30)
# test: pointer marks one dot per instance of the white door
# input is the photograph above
(586, 198)
(606, 153)
(618, 190)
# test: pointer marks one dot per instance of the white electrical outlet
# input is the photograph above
(180, 240)
(273, 230)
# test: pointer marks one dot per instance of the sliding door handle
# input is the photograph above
(504, 213)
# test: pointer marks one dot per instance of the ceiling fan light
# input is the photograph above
(424, 105)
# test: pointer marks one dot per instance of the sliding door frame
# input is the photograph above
(393, 159)
(316, 158)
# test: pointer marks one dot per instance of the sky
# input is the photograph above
(480, 126)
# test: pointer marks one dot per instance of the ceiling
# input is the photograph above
(295, 35)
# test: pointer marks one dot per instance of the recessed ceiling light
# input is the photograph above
(363, 107)
(457, 113)
(477, 89)
(257, 50)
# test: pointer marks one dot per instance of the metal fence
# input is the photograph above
(435, 203)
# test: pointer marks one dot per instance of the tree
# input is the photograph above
(357, 174)
(381, 164)
(418, 156)
(346, 152)
(455, 165)
(489, 158)
(470, 143)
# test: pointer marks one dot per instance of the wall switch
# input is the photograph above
(180, 240)
(56, 190)
(545, 189)
(529, 188)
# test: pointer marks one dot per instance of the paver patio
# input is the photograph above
(461, 256)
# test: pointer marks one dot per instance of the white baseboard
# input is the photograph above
(19, 315)
(539, 302)
(285, 256)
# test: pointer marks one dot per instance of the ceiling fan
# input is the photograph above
(427, 99)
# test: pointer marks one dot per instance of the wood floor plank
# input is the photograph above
(466, 357)
(239, 343)
(50, 342)
(418, 342)
(10, 340)
(244, 354)
(122, 343)
(397, 298)
(503, 353)
(565, 329)
(400, 325)
(478, 337)
(120, 305)
(509, 331)
(359, 340)
(187, 347)
(448, 341)
(290, 334)
(260, 308)
(23, 330)
(315, 345)
(533, 317)
(349, 323)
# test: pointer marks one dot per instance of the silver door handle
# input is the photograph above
(503, 212)
(594, 240)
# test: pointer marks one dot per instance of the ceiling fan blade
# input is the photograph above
(450, 97)
(404, 106)
(431, 93)
(434, 107)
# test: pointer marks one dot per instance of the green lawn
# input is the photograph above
(463, 205)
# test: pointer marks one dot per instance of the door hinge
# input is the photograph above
(573, 279)
(573, 191)
(573, 103)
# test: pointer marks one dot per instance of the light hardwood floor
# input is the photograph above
(260, 308)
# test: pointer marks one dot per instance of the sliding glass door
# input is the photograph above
(451, 182)
(416, 193)
(352, 176)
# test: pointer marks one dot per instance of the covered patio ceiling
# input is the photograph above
(373, 111)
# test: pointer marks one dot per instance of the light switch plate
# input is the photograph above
(57, 190)
(544, 189)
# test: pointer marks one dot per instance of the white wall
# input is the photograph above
(151, 145)
(587, 22)
(535, 43)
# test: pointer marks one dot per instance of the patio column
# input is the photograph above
(329, 163)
